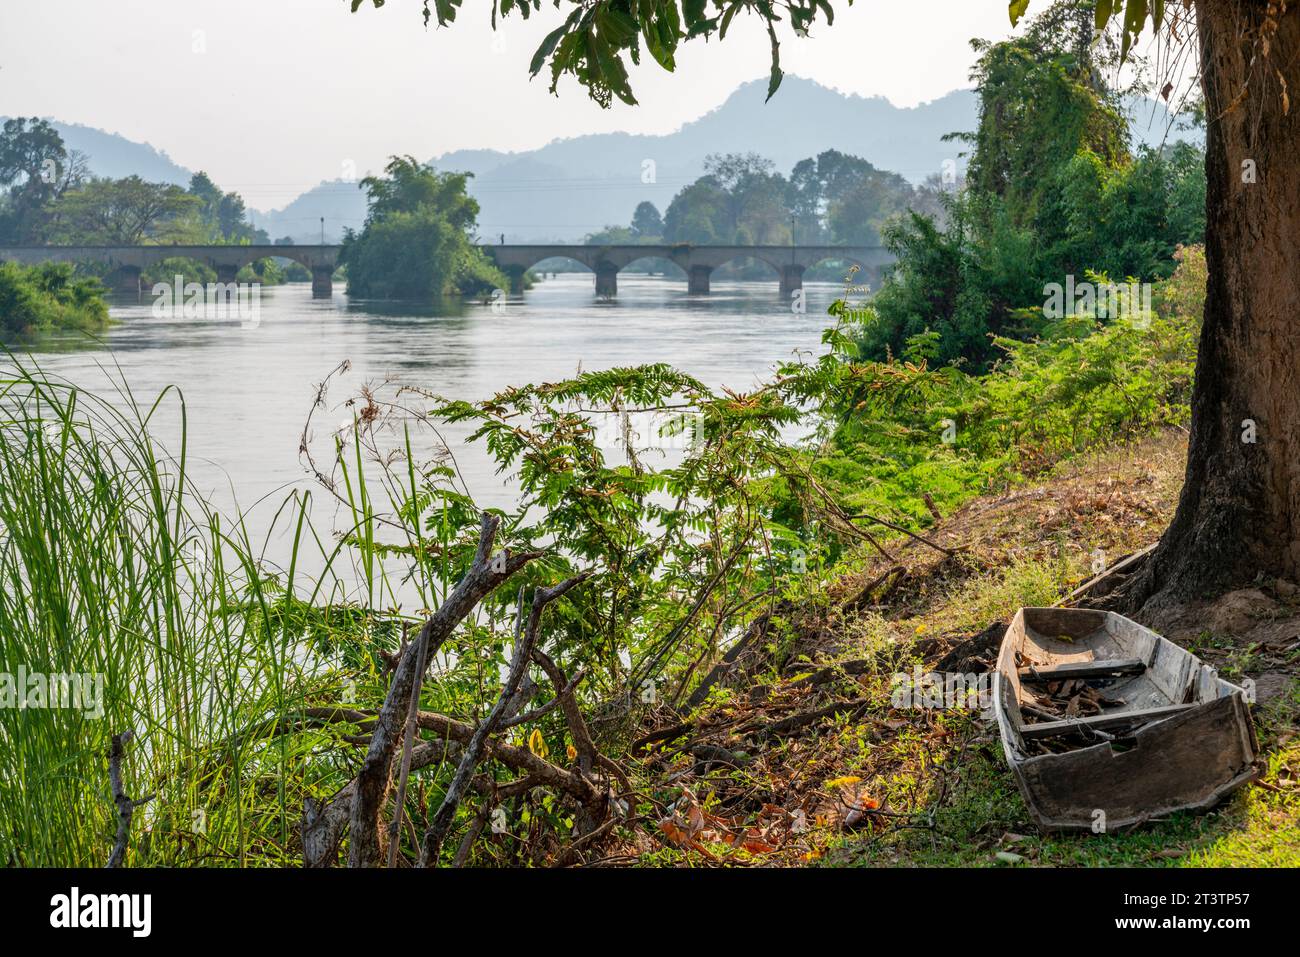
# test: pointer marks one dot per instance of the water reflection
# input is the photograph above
(248, 390)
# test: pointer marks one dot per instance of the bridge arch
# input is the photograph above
(868, 274)
(517, 270)
(672, 267)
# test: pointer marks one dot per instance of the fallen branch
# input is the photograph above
(474, 749)
(899, 528)
(408, 741)
(885, 583)
(125, 806)
(796, 721)
(372, 783)
(757, 628)
(1121, 569)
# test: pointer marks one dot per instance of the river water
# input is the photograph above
(249, 390)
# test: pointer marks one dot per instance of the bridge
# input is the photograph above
(127, 262)
(698, 262)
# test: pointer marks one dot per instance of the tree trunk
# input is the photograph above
(1239, 513)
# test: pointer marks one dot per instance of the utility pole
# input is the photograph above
(322, 230)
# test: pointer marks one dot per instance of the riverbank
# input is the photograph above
(726, 584)
(803, 761)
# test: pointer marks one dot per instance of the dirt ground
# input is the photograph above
(799, 756)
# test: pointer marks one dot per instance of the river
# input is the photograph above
(248, 390)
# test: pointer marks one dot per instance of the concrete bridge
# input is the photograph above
(698, 262)
(127, 262)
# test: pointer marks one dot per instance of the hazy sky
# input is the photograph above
(273, 96)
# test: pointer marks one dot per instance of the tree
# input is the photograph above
(646, 221)
(1030, 216)
(694, 213)
(416, 242)
(1239, 513)
(34, 169)
(224, 215)
(126, 211)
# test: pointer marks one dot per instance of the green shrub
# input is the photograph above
(37, 299)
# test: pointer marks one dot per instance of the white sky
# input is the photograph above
(285, 92)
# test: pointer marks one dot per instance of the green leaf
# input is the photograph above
(774, 81)
(546, 48)
(1016, 9)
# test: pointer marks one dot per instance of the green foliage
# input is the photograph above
(689, 504)
(644, 475)
(596, 34)
(52, 198)
(35, 169)
(223, 218)
(591, 42)
(416, 242)
(905, 427)
(111, 568)
(833, 198)
(126, 211)
(646, 221)
(739, 199)
(36, 299)
(1051, 192)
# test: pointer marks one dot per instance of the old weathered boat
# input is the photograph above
(1106, 724)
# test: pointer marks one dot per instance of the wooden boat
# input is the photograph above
(1106, 724)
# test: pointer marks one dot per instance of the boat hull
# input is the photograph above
(1187, 760)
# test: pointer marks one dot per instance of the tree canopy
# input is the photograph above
(416, 242)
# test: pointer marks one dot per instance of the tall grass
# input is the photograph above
(111, 566)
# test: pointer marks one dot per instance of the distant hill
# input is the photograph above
(341, 203)
(116, 156)
(571, 187)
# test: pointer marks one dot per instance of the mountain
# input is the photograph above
(571, 187)
(115, 156)
(340, 203)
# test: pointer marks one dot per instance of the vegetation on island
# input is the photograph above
(417, 242)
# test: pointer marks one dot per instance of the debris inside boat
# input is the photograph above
(1106, 724)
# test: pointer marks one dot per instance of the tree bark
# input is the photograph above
(1239, 512)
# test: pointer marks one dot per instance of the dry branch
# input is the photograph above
(372, 783)
(125, 806)
(474, 749)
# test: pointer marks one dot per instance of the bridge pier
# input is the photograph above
(226, 273)
(697, 282)
(791, 278)
(606, 279)
(322, 282)
(126, 280)
(516, 274)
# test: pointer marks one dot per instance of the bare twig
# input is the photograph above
(125, 806)
(408, 741)
(899, 528)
